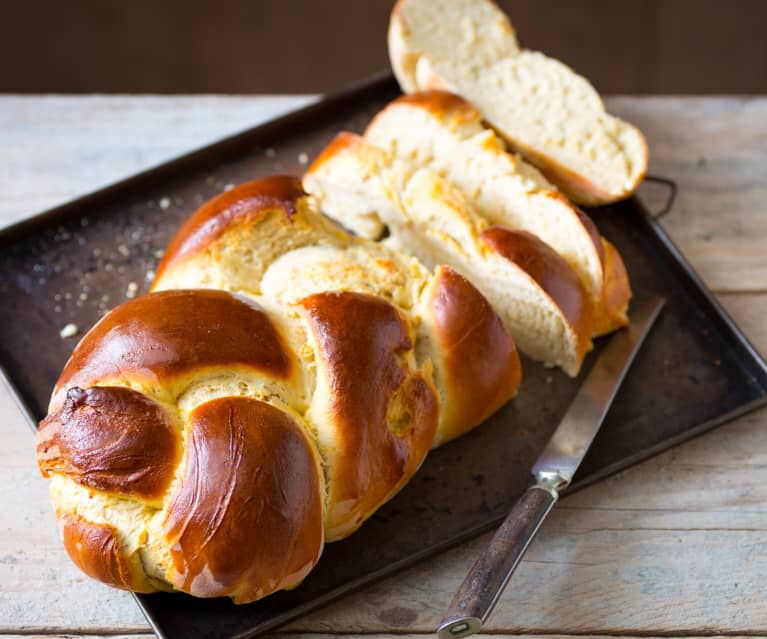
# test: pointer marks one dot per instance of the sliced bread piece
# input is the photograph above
(444, 133)
(266, 240)
(541, 107)
(534, 290)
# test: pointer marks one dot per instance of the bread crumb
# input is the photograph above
(165, 203)
(229, 187)
(70, 330)
(150, 276)
(270, 152)
(303, 158)
(123, 250)
(131, 290)
(159, 253)
(83, 296)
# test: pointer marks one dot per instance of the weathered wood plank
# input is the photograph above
(54, 634)
(716, 151)
(55, 148)
(288, 635)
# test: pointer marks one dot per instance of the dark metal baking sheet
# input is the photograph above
(70, 264)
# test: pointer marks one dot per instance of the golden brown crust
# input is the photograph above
(341, 142)
(440, 102)
(402, 62)
(575, 186)
(96, 550)
(588, 224)
(555, 276)
(613, 313)
(383, 417)
(246, 518)
(167, 334)
(111, 439)
(244, 203)
(480, 366)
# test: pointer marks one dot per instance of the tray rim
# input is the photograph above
(353, 92)
(61, 212)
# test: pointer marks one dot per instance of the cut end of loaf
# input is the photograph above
(557, 280)
(613, 312)
(542, 108)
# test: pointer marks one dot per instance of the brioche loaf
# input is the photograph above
(535, 291)
(443, 132)
(212, 440)
(543, 109)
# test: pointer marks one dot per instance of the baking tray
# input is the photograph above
(696, 370)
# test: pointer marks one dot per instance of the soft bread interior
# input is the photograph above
(444, 133)
(429, 218)
(540, 106)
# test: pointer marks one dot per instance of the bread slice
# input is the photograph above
(444, 133)
(541, 107)
(533, 289)
(266, 239)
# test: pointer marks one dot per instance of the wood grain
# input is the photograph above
(677, 545)
(55, 148)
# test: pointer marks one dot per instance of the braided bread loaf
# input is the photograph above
(282, 382)
(536, 292)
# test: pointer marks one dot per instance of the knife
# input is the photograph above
(553, 472)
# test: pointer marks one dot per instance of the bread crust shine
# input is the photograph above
(212, 441)
(553, 275)
(479, 368)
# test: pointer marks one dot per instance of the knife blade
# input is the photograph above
(553, 472)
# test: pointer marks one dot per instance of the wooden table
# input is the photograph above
(675, 546)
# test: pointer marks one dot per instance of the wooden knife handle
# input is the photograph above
(488, 576)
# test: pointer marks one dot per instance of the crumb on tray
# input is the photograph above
(70, 330)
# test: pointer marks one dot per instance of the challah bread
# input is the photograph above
(543, 109)
(535, 291)
(310, 254)
(444, 133)
(172, 447)
(210, 441)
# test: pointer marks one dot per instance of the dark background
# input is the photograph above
(293, 46)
